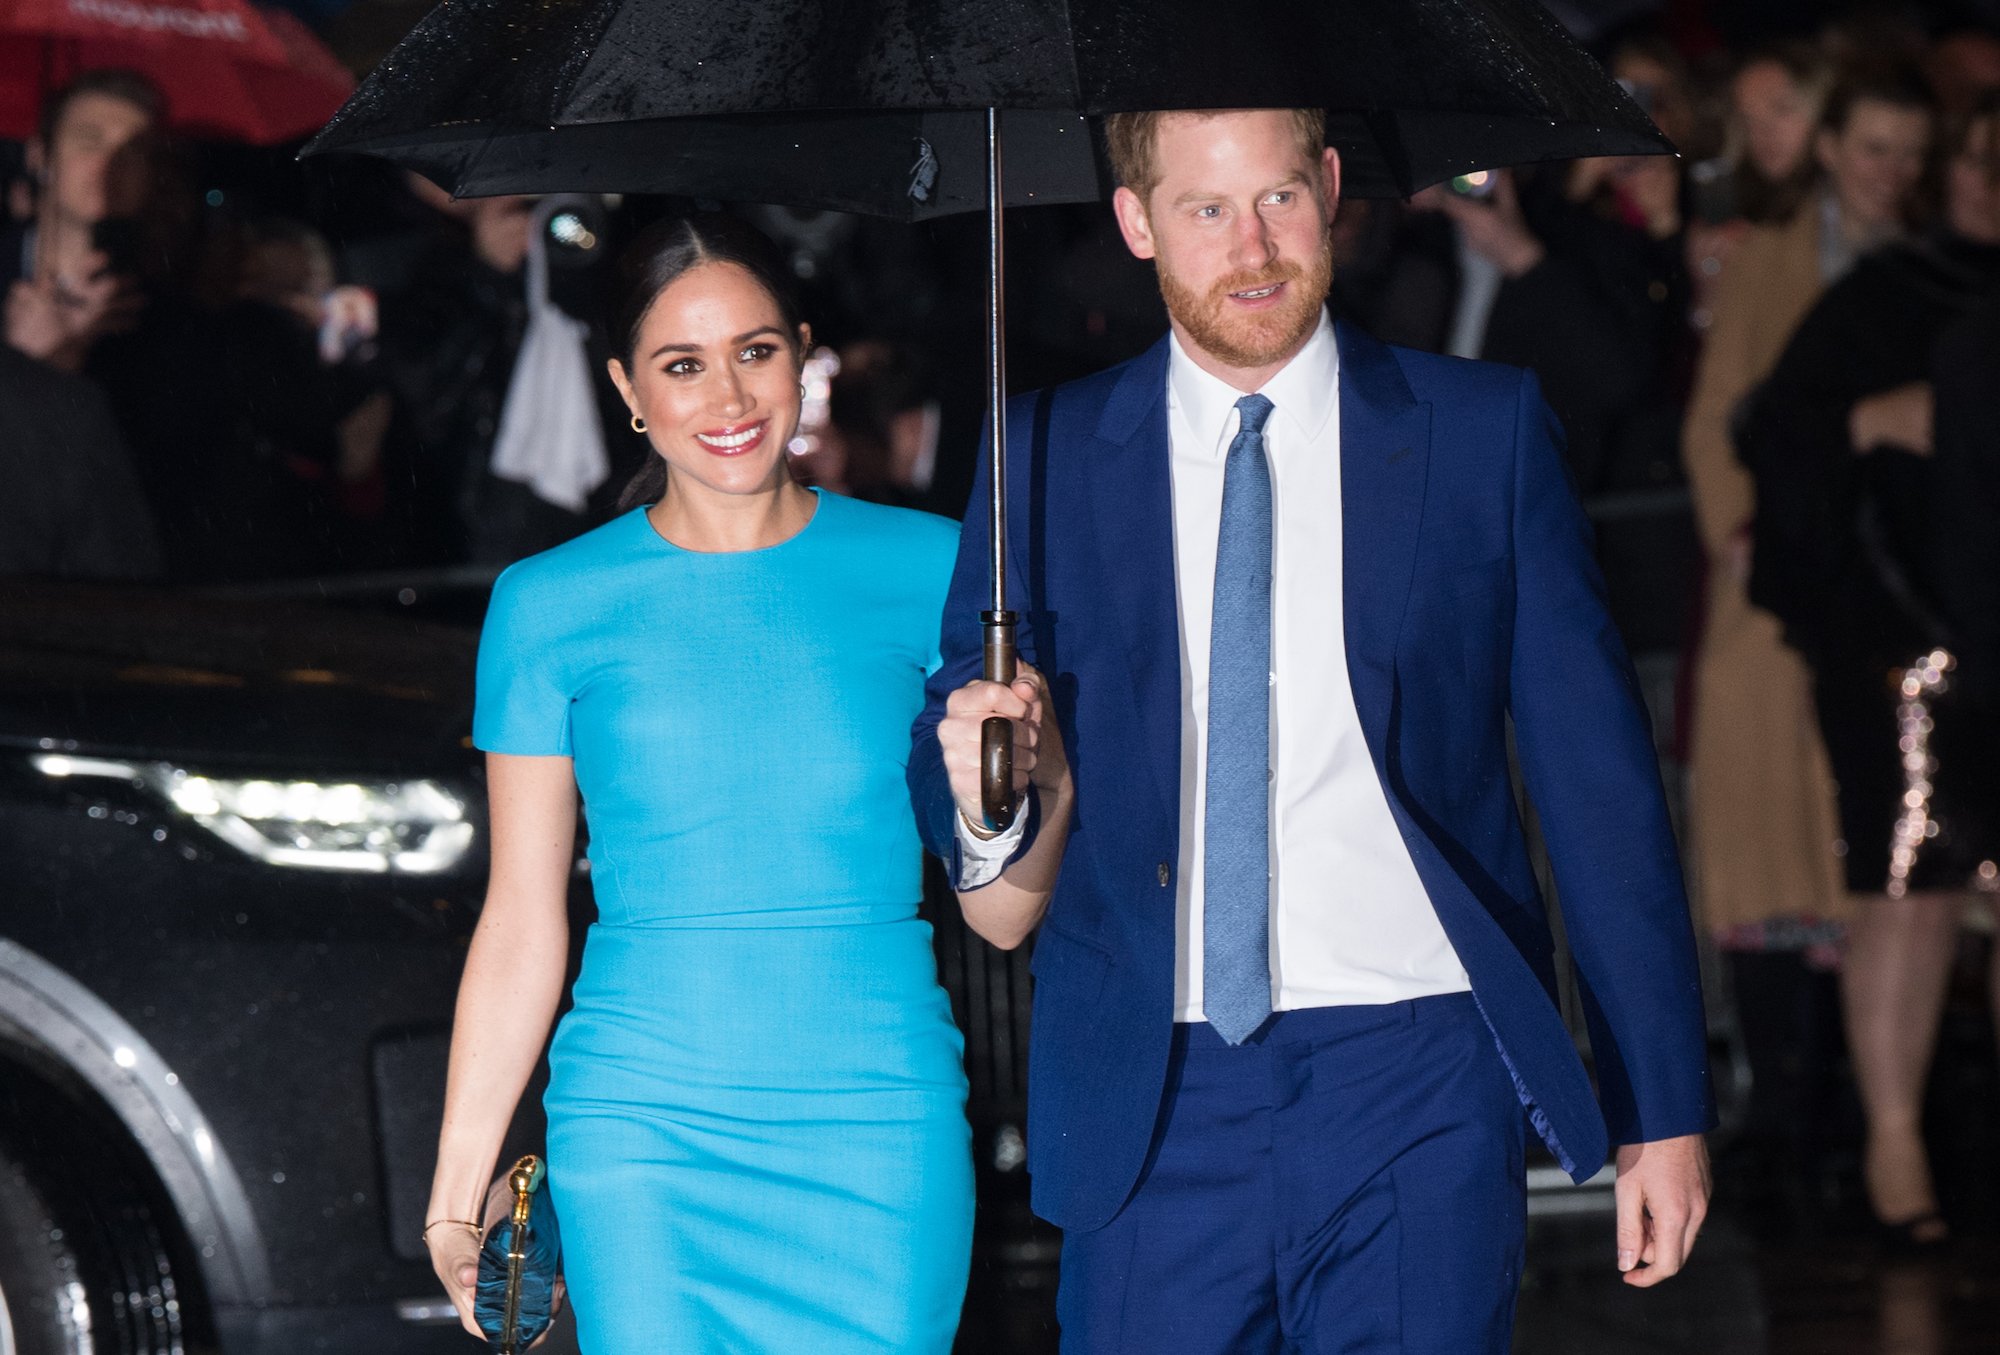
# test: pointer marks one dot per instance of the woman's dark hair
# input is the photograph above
(657, 259)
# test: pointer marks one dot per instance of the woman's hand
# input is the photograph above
(454, 1249)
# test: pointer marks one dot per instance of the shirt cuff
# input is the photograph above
(981, 859)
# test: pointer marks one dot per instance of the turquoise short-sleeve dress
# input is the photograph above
(757, 1135)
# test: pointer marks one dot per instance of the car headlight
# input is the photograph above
(406, 827)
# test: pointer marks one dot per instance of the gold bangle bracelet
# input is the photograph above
(438, 1223)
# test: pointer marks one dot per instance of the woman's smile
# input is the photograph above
(734, 439)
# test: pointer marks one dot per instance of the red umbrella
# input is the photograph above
(230, 69)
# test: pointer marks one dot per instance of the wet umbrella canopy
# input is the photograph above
(899, 108)
(824, 103)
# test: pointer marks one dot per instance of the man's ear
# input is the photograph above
(1329, 171)
(1133, 223)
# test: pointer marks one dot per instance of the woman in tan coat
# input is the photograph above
(1761, 807)
(1762, 801)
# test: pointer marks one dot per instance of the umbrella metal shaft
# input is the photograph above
(996, 359)
(996, 743)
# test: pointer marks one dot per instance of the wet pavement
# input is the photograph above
(1830, 1291)
(1834, 1295)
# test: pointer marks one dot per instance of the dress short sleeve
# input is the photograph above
(937, 556)
(523, 703)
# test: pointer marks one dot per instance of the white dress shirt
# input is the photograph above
(1351, 923)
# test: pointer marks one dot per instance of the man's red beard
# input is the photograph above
(1253, 338)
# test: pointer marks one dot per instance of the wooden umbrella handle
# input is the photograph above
(996, 772)
(996, 734)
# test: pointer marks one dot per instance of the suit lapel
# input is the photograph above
(1131, 500)
(1385, 448)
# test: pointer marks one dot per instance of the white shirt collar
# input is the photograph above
(1304, 391)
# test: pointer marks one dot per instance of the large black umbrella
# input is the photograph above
(899, 107)
(824, 103)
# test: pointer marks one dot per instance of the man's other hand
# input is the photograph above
(1662, 1195)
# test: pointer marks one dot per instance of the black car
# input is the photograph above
(243, 850)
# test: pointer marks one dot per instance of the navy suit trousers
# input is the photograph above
(1350, 1179)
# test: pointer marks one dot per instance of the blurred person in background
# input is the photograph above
(1576, 273)
(1761, 809)
(1839, 442)
(73, 508)
(1965, 559)
(1653, 71)
(1963, 65)
(883, 425)
(1872, 144)
(1766, 166)
(449, 346)
(71, 264)
(1966, 554)
(1775, 99)
(294, 474)
(93, 279)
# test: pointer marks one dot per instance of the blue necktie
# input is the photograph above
(1236, 896)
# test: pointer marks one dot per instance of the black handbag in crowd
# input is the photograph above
(520, 1264)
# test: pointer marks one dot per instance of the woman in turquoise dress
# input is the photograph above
(757, 1137)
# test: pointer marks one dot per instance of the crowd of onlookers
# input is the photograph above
(1772, 357)
(213, 373)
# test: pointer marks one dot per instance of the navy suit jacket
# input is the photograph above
(1471, 595)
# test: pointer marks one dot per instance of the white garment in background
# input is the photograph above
(550, 438)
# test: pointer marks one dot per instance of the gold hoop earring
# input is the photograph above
(638, 424)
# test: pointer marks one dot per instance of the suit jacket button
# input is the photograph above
(1165, 875)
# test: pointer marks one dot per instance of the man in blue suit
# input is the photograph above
(1283, 590)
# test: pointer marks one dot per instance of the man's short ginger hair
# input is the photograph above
(1132, 137)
